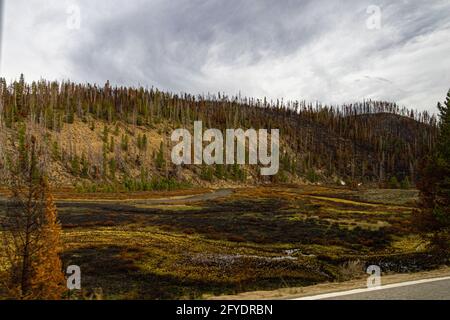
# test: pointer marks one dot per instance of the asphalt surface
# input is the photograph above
(436, 290)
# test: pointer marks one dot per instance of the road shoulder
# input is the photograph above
(326, 288)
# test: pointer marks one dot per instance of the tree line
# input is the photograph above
(369, 141)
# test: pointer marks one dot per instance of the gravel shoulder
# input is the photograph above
(299, 292)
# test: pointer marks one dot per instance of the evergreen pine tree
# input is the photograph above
(160, 161)
(433, 218)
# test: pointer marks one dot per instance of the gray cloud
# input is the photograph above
(1, 32)
(313, 50)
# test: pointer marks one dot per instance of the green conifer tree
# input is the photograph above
(433, 218)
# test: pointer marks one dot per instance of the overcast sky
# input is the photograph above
(328, 51)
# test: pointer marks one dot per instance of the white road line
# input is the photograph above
(355, 291)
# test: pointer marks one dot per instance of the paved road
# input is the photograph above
(431, 289)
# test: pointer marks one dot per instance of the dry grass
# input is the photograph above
(360, 283)
(253, 239)
(351, 269)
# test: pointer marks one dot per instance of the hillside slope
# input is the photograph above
(99, 138)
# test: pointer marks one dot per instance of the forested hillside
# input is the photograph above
(103, 137)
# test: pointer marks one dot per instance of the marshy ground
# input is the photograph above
(196, 244)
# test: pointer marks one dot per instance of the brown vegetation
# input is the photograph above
(31, 234)
(116, 139)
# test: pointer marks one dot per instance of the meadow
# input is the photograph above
(195, 244)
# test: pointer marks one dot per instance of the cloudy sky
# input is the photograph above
(329, 51)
